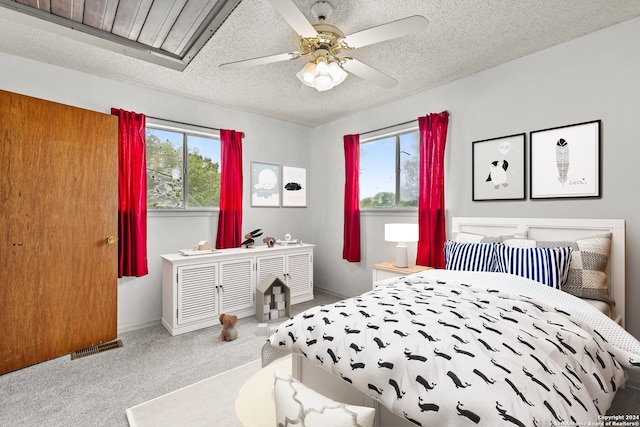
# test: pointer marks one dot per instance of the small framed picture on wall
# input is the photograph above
(565, 161)
(498, 168)
(265, 184)
(294, 186)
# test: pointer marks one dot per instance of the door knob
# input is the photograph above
(111, 240)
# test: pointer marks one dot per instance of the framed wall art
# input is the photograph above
(265, 184)
(498, 168)
(294, 186)
(565, 161)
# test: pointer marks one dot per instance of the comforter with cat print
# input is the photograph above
(440, 348)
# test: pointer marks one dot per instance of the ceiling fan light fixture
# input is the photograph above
(337, 73)
(322, 74)
(324, 44)
(308, 73)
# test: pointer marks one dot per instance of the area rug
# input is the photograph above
(241, 397)
(255, 406)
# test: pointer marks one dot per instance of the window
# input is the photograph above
(389, 171)
(167, 149)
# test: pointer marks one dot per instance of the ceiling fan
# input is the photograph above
(324, 44)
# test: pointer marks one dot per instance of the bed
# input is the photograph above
(450, 347)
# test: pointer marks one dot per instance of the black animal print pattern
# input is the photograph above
(445, 353)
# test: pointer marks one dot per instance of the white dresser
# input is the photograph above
(197, 289)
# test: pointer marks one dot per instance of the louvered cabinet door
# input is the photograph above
(272, 264)
(237, 285)
(300, 274)
(197, 293)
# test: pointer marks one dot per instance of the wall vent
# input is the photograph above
(96, 349)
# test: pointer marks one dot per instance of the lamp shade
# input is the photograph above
(401, 232)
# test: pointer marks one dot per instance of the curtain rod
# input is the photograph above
(187, 124)
(391, 126)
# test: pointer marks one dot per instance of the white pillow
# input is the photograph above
(464, 237)
(298, 405)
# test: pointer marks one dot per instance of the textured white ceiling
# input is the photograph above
(463, 37)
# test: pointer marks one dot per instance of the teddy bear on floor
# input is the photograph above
(228, 322)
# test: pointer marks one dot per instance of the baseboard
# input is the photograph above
(134, 326)
(330, 292)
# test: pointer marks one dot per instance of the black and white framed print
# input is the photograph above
(498, 168)
(565, 161)
(294, 186)
(265, 184)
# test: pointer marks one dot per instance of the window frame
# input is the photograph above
(186, 129)
(378, 136)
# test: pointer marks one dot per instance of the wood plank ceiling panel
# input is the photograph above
(187, 25)
(70, 9)
(38, 4)
(170, 32)
(159, 22)
(99, 14)
(130, 18)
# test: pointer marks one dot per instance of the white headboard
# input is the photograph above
(560, 229)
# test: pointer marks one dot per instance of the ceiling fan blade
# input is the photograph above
(294, 17)
(391, 30)
(368, 73)
(259, 61)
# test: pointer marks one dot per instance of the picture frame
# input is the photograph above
(498, 168)
(294, 186)
(265, 184)
(565, 161)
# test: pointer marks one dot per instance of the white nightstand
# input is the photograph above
(388, 270)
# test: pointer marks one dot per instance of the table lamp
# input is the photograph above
(401, 233)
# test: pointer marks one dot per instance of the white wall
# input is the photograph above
(266, 140)
(593, 77)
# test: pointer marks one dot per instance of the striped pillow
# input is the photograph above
(589, 258)
(546, 265)
(469, 256)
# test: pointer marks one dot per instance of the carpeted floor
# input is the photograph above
(96, 390)
(246, 400)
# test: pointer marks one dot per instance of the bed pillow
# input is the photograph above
(589, 259)
(469, 256)
(546, 265)
(298, 405)
(464, 237)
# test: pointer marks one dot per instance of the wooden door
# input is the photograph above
(58, 204)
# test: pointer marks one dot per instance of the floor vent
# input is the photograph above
(100, 348)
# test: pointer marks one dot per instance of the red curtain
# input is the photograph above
(431, 214)
(230, 219)
(132, 194)
(351, 238)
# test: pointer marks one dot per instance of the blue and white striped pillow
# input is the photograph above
(469, 256)
(546, 265)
